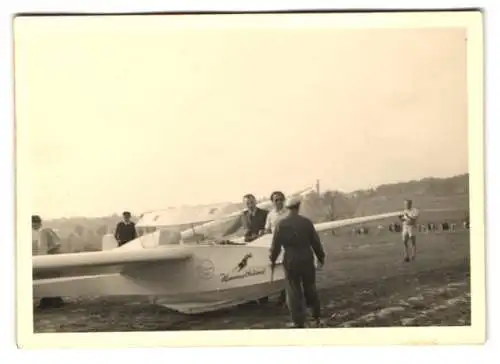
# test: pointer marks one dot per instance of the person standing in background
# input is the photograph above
(125, 230)
(409, 219)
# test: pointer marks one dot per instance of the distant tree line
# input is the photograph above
(85, 234)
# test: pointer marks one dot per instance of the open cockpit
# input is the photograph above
(185, 225)
(160, 236)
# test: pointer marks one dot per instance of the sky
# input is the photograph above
(142, 113)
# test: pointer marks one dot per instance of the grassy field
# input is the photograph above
(365, 283)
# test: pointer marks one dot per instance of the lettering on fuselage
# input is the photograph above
(226, 277)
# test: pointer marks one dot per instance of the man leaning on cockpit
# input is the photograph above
(253, 220)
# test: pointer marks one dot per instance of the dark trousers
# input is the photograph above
(301, 292)
(49, 302)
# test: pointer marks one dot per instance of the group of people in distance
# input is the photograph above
(409, 222)
(45, 241)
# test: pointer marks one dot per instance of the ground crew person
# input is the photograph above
(409, 219)
(125, 230)
(297, 236)
(277, 213)
(45, 241)
(253, 220)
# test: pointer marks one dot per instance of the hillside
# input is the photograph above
(428, 193)
(82, 233)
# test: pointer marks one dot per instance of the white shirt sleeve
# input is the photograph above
(268, 221)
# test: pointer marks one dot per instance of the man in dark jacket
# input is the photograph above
(125, 230)
(253, 220)
(298, 237)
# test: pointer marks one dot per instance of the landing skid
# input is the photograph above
(279, 298)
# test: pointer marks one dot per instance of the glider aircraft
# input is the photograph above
(175, 269)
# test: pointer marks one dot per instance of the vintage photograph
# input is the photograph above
(216, 172)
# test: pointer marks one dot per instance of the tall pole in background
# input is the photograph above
(317, 186)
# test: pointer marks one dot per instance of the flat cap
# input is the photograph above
(293, 201)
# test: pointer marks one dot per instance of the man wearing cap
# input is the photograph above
(45, 241)
(125, 230)
(298, 237)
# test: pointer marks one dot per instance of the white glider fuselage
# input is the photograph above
(189, 278)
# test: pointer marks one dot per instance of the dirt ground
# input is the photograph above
(365, 283)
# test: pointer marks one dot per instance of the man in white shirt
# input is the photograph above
(278, 213)
(297, 236)
(45, 241)
(409, 220)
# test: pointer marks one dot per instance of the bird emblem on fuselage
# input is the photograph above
(243, 263)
